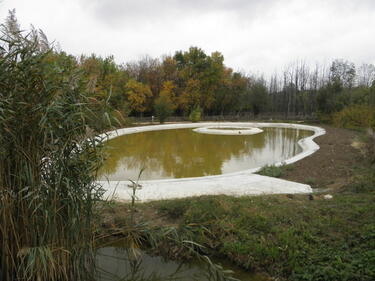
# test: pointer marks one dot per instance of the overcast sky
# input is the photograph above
(255, 36)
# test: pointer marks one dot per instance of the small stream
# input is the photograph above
(116, 263)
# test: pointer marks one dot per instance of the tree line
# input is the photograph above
(192, 80)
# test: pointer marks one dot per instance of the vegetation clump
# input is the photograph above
(195, 114)
(48, 162)
(165, 103)
(356, 116)
(274, 171)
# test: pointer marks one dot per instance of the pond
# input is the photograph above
(181, 153)
(116, 263)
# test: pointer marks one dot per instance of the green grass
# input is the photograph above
(288, 238)
(274, 171)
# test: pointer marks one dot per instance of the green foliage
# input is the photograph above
(357, 116)
(273, 171)
(164, 105)
(195, 114)
(201, 74)
(48, 162)
(163, 108)
(258, 97)
(293, 239)
(310, 181)
(329, 99)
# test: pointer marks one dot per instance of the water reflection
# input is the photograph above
(115, 264)
(183, 153)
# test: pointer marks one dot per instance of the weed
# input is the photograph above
(272, 171)
(311, 181)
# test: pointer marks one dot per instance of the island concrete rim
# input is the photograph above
(307, 144)
(238, 131)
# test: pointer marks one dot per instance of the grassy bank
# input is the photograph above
(290, 237)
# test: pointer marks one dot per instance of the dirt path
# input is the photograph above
(332, 165)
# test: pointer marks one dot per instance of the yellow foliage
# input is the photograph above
(355, 116)
(168, 94)
(137, 94)
(191, 96)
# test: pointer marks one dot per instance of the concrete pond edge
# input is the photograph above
(236, 184)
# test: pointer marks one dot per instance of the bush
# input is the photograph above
(163, 108)
(271, 171)
(195, 114)
(356, 116)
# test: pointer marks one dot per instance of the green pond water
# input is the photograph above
(117, 263)
(181, 153)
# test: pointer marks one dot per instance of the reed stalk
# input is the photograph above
(48, 163)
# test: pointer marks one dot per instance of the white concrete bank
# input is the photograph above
(226, 130)
(236, 184)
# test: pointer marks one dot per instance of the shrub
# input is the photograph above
(195, 114)
(163, 108)
(356, 116)
(271, 171)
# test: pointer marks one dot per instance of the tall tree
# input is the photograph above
(343, 73)
(137, 94)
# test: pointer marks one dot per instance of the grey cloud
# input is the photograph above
(261, 35)
(119, 12)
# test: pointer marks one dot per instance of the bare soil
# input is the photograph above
(332, 165)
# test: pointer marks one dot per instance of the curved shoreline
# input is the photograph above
(237, 183)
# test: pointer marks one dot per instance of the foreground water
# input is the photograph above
(183, 153)
(116, 263)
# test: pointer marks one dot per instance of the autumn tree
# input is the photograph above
(200, 73)
(137, 95)
(224, 96)
(191, 95)
(165, 104)
(169, 69)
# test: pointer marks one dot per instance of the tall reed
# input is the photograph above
(48, 163)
